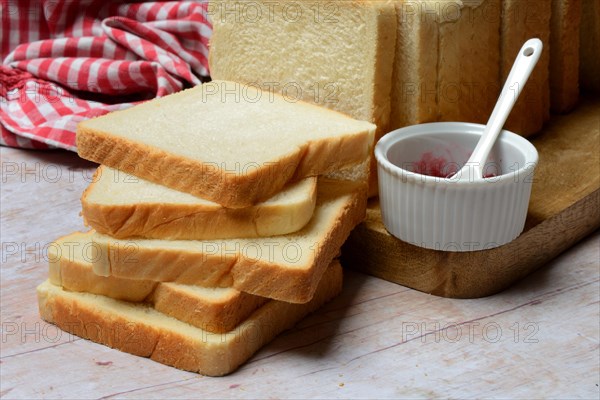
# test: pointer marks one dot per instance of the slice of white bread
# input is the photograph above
(589, 47)
(212, 309)
(123, 206)
(414, 85)
(469, 61)
(521, 21)
(337, 53)
(564, 55)
(285, 268)
(447, 64)
(226, 142)
(70, 258)
(139, 329)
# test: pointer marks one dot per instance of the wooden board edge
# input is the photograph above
(471, 274)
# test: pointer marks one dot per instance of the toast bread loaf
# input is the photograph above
(414, 80)
(211, 309)
(285, 268)
(124, 206)
(469, 62)
(344, 61)
(564, 55)
(589, 46)
(521, 21)
(232, 144)
(447, 61)
(139, 329)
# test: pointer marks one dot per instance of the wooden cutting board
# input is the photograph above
(564, 208)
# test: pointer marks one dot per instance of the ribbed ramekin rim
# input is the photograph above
(391, 138)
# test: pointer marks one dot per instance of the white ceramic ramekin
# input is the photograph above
(443, 213)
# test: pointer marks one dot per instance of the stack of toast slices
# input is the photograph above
(215, 224)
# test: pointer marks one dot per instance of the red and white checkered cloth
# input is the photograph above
(64, 61)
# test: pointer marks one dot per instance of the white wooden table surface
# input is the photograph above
(539, 339)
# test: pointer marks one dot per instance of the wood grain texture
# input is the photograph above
(564, 207)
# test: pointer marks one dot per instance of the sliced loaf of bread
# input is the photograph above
(564, 55)
(285, 268)
(338, 53)
(523, 20)
(211, 309)
(141, 330)
(225, 142)
(122, 205)
(589, 47)
(469, 60)
(414, 97)
(447, 65)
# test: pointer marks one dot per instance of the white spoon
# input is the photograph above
(524, 63)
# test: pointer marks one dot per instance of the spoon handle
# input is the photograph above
(526, 60)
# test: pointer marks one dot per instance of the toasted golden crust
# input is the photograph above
(140, 330)
(222, 315)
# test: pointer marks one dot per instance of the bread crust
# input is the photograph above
(210, 181)
(233, 265)
(564, 56)
(522, 20)
(414, 79)
(195, 221)
(469, 62)
(142, 331)
(213, 316)
(183, 174)
(219, 312)
(447, 65)
(589, 62)
(79, 277)
(375, 68)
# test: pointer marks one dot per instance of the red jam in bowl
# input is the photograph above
(439, 167)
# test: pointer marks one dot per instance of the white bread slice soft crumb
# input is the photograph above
(285, 268)
(212, 309)
(121, 205)
(447, 64)
(338, 53)
(226, 142)
(521, 21)
(139, 329)
(589, 47)
(564, 55)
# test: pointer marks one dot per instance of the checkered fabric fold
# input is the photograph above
(64, 61)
